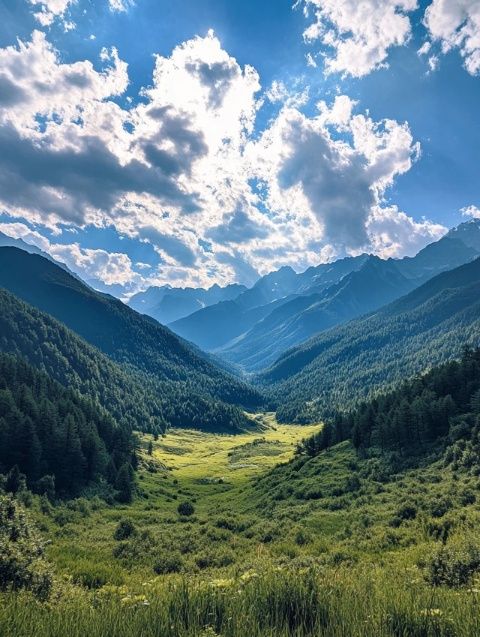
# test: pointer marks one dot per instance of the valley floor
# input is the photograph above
(332, 546)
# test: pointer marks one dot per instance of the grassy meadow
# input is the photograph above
(269, 544)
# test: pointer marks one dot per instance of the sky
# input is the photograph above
(194, 142)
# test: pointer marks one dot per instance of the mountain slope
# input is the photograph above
(10, 242)
(134, 399)
(424, 328)
(376, 283)
(47, 430)
(448, 253)
(167, 304)
(252, 331)
(124, 335)
(216, 328)
(52, 348)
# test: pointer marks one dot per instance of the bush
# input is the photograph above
(407, 512)
(168, 563)
(186, 508)
(454, 565)
(22, 563)
(124, 530)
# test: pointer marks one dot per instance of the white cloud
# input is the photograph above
(47, 11)
(455, 24)
(340, 185)
(395, 234)
(280, 93)
(358, 35)
(112, 268)
(120, 6)
(471, 211)
(184, 169)
(425, 48)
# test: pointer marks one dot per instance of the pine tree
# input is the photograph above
(124, 484)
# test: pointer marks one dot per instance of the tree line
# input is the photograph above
(56, 441)
(442, 406)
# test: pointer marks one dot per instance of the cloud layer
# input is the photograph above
(357, 37)
(184, 168)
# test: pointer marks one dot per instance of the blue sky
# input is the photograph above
(203, 141)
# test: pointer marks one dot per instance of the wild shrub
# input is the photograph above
(186, 509)
(22, 562)
(124, 530)
(168, 563)
(454, 565)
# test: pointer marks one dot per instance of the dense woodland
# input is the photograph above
(440, 408)
(354, 361)
(122, 334)
(137, 400)
(58, 440)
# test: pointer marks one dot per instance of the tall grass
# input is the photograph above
(367, 602)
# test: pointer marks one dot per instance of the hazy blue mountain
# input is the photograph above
(284, 308)
(218, 326)
(167, 304)
(468, 232)
(376, 283)
(445, 254)
(429, 325)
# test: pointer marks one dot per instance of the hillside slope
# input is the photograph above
(376, 283)
(424, 328)
(133, 398)
(120, 332)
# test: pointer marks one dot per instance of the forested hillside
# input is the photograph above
(348, 363)
(124, 335)
(441, 408)
(58, 440)
(135, 399)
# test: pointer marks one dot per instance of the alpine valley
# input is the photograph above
(328, 439)
(239, 318)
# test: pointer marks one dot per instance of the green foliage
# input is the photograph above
(166, 563)
(22, 563)
(434, 409)
(161, 378)
(56, 439)
(455, 564)
(186, 508)
(341, 366)
(124, 484)
(124, 530)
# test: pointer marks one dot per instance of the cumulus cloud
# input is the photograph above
(47, 11)
(358, 35)
(340, 184)
(238, 228)
(395, 234)
(471, 211)
(183, 168)
(455, 24)
(111, 268)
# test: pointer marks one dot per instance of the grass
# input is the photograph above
(337, 545)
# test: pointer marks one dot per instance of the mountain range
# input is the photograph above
(340, 366)
(284, 308)
(167, 304)
(183, 384)
(324, 337)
